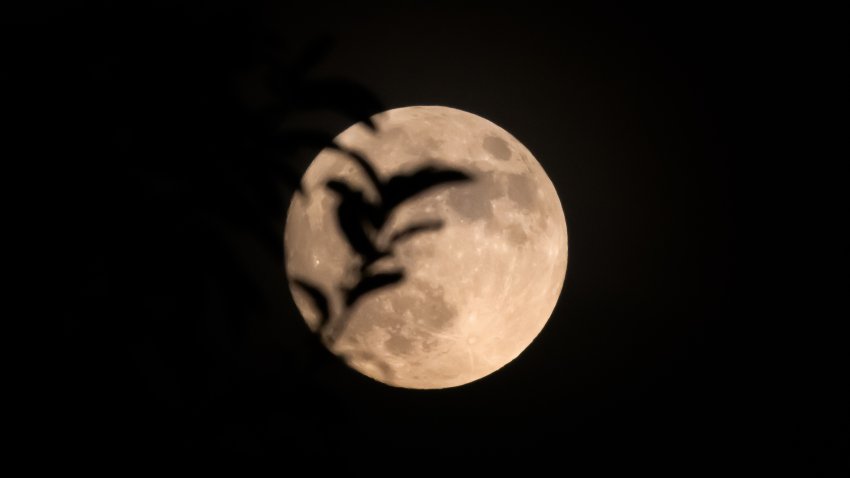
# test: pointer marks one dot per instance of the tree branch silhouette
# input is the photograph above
(362, 221)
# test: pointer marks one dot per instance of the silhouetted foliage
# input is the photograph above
(320, 302)
(414, 229)
(362, 221)
(370, 283)
(401, 187)
(353, 212)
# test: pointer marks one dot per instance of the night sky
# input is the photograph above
(664, 128)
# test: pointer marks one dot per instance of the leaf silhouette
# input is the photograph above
(403, 187)
(318, 298)
(365, 166)
(416, 229)
(370, 283)
(352, 213)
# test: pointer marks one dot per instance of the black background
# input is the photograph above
(681, 341)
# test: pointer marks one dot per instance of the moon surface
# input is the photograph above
(476, 292)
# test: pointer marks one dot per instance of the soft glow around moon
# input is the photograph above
(477, 291)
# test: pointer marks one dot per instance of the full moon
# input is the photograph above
(475, 292)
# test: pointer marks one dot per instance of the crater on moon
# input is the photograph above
(497, 147)
(478, 290)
